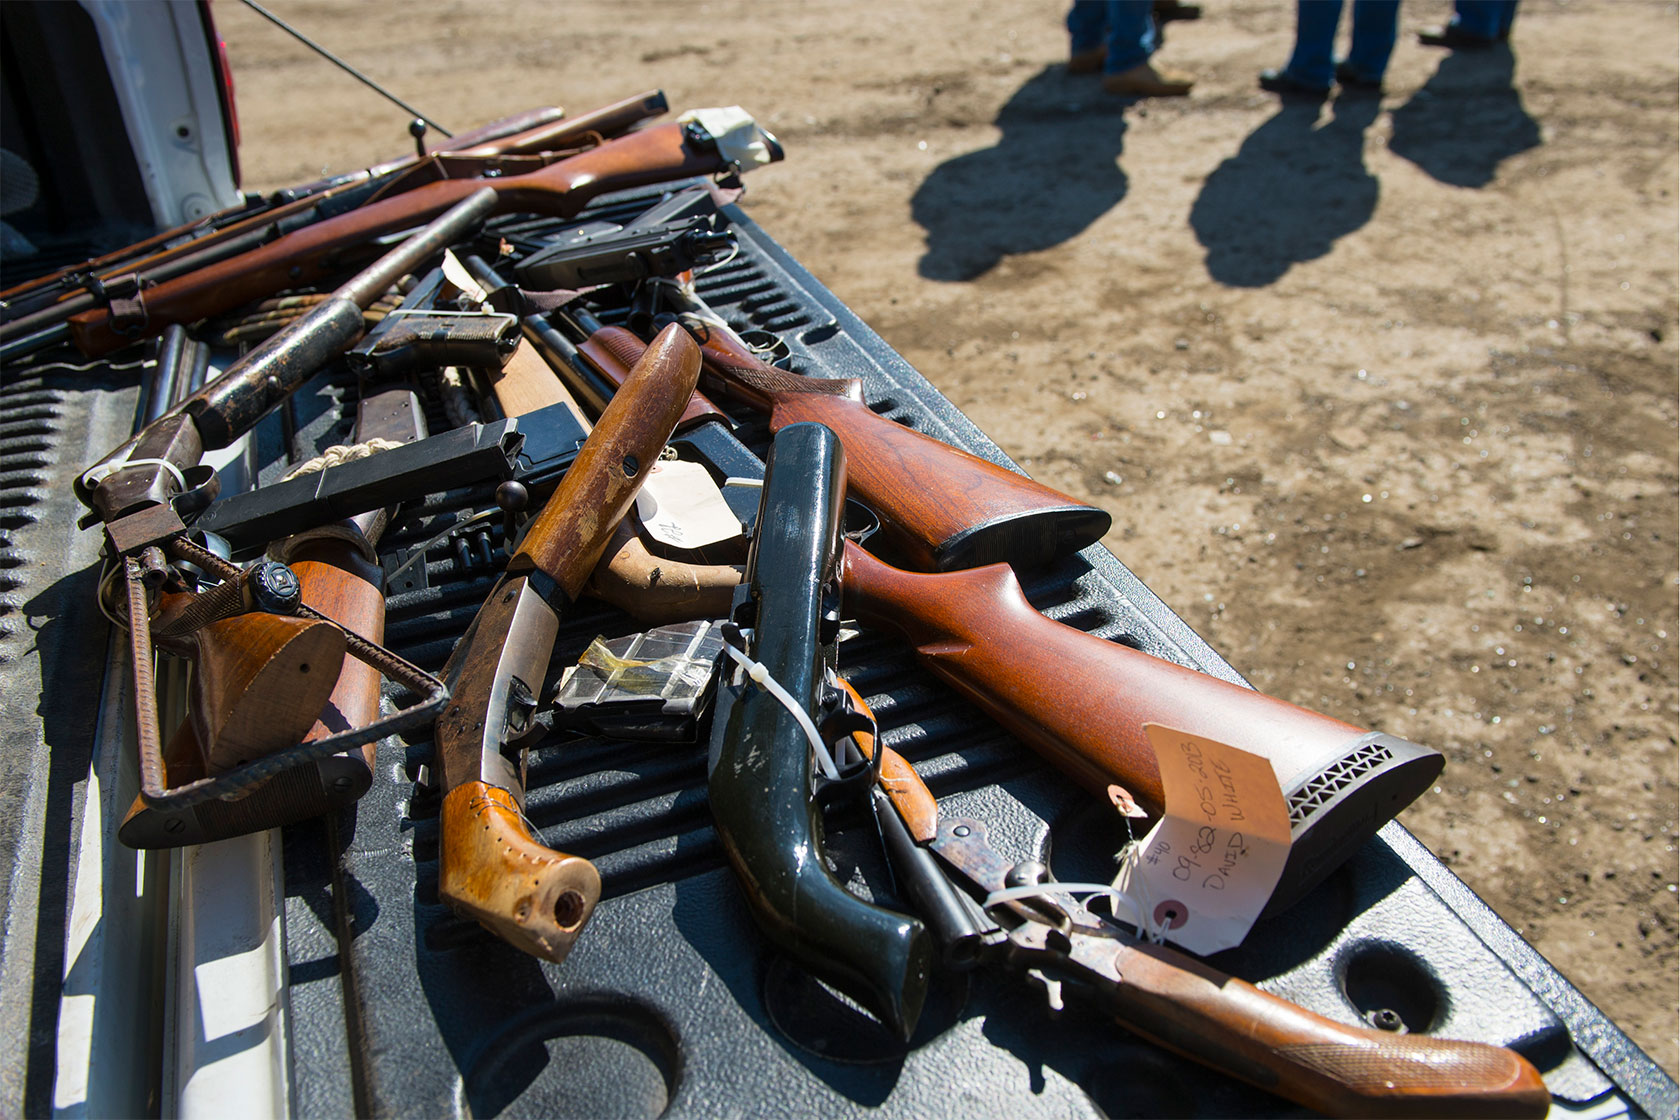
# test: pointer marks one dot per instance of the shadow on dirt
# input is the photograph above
(1293, 188)
(1053, 172)
(1466, 120)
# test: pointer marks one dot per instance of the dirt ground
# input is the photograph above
(1381, 394)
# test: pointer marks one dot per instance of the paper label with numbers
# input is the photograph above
(680, 505)
(1206, 870)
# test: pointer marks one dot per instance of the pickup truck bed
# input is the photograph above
(314, 971)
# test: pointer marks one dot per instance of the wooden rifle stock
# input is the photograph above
(939, 506)
(650, 589)
(315, 253)
(1339, 1070)
(259, 681)
(1083, 703)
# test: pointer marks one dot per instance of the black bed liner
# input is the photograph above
(671, 1003)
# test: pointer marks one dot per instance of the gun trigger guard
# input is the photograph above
(842, 720)
(204, 485)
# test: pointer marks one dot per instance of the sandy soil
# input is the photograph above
(1381, 395)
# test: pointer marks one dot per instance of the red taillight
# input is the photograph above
(227, 87)
(230, 111)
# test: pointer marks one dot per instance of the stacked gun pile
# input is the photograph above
(551, 404)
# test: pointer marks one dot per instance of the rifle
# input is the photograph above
(143, 492)
(766, 801)
(1167, 997)
(339, 577)
(312, 254)
(30, 313)
(491, 868)
(1083, 701)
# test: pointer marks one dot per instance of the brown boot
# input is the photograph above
(1087, 61)
(1149, 80)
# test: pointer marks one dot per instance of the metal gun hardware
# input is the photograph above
(681, 232)
(266, 660)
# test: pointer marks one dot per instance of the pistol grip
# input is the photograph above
(493, 870)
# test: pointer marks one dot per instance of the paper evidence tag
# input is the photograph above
(1207, 869)
(679, 505)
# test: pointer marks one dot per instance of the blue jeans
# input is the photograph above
(1374, 24)
(1485, 19)
(1125, 25)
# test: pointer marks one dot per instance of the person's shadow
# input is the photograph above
(1053, 172)
(1292, 189)
(1466, 120)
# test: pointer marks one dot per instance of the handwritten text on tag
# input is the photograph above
(1207, 869)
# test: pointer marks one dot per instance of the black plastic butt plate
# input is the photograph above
(1343, 804)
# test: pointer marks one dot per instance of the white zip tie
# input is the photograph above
(759, 675)
(1148, 929)
(90, 479)
(1048, 890)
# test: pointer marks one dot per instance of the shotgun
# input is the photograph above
(1083, 701)
(491, 868)
(313, 254)
(766, 799)
(1171, 999)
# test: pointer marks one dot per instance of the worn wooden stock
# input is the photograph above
(317, 253)
(339, 583)
(939, 506)
(570, 535)
(342, 584)
(613, 350)
(259, 682)
(655, 590)
(1339, 1070)
(629, 577)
